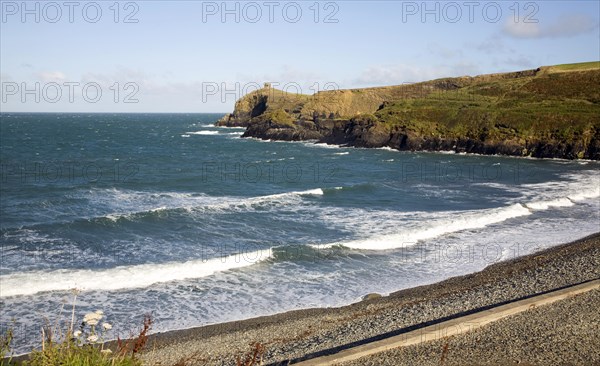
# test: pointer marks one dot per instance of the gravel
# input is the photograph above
(566, 332)
(298, 333)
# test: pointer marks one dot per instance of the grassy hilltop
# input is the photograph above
(552, 111)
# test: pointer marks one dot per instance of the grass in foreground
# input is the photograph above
(81, 347)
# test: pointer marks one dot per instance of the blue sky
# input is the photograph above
(193, 56)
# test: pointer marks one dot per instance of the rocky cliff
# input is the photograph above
(549, 112)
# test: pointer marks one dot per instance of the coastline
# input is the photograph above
(327, 145)
(296, 334)
(474, 114)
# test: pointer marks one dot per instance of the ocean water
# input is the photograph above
(166, 214)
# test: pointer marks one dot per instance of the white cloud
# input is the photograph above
(443, 51)
(51, 76)
(287, 78)
(120, 75)
(393, 75)
(463, 69)
(567, 26)
(571, 25)
(126, 80)
(286, 74)
(520, 61)
(521, 29)
(379, 75)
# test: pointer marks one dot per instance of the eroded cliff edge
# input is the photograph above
(549, 112)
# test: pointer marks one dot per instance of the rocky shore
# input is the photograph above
(548, 112)
(302, 333)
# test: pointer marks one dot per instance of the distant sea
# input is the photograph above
(165, 213)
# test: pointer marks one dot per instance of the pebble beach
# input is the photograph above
(564, 332)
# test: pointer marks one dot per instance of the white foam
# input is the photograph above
(584, 195)
(116, 203)
(228, 127)
(576, 188)
(323, 145)
(544, 205)
(158, 209)
(114, 217)
(185, 135)
(316, 191)
(271, 197)
(277, 199)
(124, 203)
(342, 153)
(203, 133)
(124, 277)
(498, 185)
(453, 222)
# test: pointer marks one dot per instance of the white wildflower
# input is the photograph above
(77, 333)
(106, 351)
(92, 317)
(106, 326)
(93, 338)
(99, 312)
(92, 322)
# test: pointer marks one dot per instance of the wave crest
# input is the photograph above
(124, 277)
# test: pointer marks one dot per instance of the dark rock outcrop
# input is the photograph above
(252, 105)
(271, 130)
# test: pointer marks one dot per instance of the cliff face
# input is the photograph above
(252, 105)
(549, 112)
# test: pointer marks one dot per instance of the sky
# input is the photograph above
(201, 56)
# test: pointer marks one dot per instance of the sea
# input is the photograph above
(165, 214)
